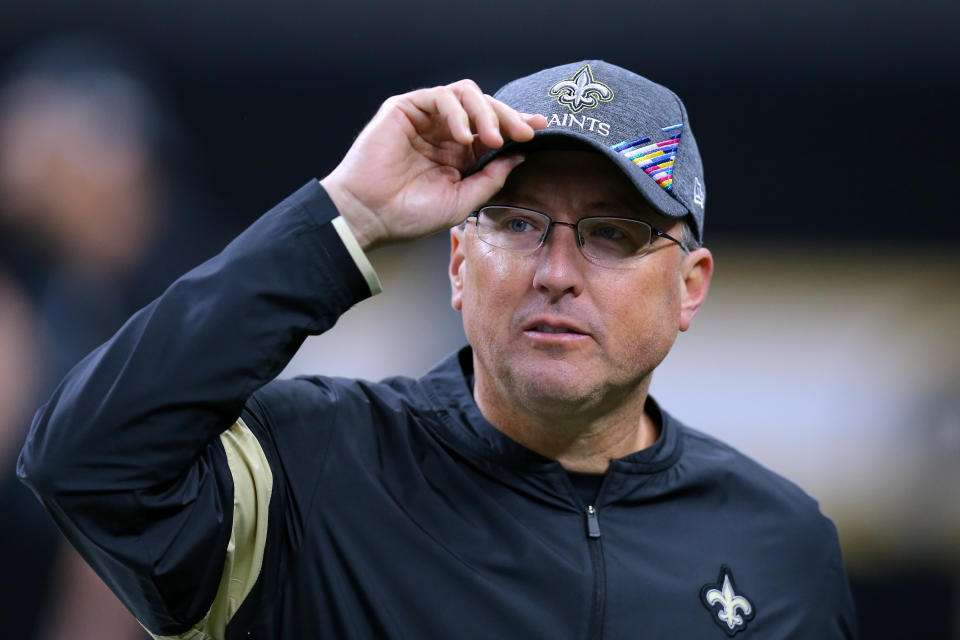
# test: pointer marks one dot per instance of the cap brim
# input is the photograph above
(558, 139)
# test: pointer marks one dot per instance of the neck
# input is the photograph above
(583, 437)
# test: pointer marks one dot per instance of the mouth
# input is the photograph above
(546, 328)
(554, 329)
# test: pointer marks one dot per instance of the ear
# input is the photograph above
(457, 267)
(696, 269)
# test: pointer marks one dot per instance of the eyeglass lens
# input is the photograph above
(604, 239)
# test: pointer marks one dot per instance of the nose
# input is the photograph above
(560, 263)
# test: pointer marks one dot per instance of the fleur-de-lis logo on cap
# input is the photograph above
(735, 611)
(581, 91)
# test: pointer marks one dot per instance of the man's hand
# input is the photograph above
(403, 177)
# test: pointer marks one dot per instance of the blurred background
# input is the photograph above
(136, 139)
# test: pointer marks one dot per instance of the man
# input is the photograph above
(525, 488)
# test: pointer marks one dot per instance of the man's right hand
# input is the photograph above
(403, 177)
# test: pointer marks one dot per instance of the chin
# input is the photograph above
(557, 388)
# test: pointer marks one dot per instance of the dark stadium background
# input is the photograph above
(827, 128)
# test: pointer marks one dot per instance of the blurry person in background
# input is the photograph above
(98, 224)
(92, 225)
(17, 366)
(24, 563)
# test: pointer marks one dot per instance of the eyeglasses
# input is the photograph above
(602, 239)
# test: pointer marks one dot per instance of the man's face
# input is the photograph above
(551, 331)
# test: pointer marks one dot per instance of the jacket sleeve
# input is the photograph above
(139, 454)
(843, 624)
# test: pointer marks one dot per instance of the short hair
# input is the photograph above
(688, 237)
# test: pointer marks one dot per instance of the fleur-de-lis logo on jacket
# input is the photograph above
(734, 609)
(581, 91)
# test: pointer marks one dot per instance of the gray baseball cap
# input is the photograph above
(641, 126)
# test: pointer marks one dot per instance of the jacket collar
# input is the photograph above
(449, 390)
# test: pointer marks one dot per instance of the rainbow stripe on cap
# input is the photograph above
(655, 158)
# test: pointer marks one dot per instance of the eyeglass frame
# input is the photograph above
(654, 232)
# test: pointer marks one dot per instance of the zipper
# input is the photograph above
(593, 525)
(599, 572)
(595, 625)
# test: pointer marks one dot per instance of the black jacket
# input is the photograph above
(340, 508)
